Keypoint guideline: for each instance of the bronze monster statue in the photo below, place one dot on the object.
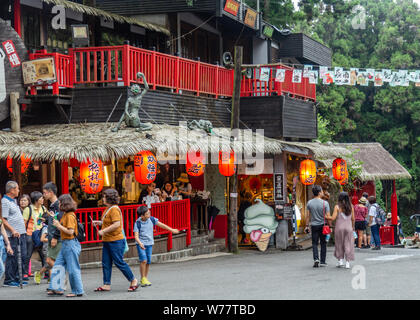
(132, 107)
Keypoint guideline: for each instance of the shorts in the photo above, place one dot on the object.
(360, 225)
(145, 255)
(53, 252)
(367, 229)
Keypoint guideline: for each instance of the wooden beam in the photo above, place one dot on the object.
(233, 188)
(15, 111)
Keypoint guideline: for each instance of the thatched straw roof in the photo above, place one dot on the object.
(377, 162)
(96, 141)
(108, 15)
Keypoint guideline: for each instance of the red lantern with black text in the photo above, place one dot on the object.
(92, 176)
(195, 166)
(307, 172)
(345, 180)
(227, 165)
(145, 167)
(339, 169)
(24, 163)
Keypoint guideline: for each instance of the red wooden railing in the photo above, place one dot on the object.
(120, 65)
(175, 214)
(253, 86)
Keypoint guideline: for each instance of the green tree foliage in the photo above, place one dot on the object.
(390, 40)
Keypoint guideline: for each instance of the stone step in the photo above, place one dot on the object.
(196, 232)
(197, 240)
(208, 249)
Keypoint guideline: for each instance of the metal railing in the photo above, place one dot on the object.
(175, 214)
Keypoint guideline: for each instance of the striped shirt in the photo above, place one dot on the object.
(11, 212)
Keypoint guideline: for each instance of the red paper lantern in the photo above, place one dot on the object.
(92, 176)
(195, 166)
(339, 169)
(24, 163)
(307, 172)
(345, 180)
(145, 167)
(227, 165)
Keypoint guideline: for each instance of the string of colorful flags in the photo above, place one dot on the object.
(342, 76)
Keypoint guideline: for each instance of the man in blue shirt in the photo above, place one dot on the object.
(143, 233)
(16, 231)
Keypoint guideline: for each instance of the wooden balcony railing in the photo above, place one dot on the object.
(119, 65)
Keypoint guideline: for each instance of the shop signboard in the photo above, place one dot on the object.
(279, 187)
(268, 31)
(39, 71)
(250, 18)
(232, 7)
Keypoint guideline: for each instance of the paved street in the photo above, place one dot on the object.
(390, 274)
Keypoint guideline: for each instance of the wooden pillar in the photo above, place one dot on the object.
(233, 190)
(14, 112)
(17, 17)
(17, 174)
(64, 177)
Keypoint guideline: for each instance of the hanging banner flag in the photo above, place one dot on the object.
(345, 78)
(265, 74)
(387, 75)
(404, 78)
(353, 76)
(362, 78)
(306, 69)
(412, 76)
(328, 77)
(322, 72)
(313, 77)
(297, 76)
(338, 76)
(395, 79)
(280, 75)
(379, 79)
(370, 74)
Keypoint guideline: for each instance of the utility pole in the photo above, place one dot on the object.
(233, 185)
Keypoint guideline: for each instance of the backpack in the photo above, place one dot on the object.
(36, 235)
(81, 235)
(138, 223)
(380, 216)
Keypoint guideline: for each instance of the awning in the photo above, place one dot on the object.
(107, 15)
(97, 141)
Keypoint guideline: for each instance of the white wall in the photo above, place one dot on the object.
(260, 51)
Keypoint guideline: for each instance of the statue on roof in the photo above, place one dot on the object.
(132, 106)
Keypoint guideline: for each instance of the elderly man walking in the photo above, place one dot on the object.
(16, 231)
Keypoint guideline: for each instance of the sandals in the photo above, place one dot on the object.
(55, 293)
(73, 295)
(100, 289)
(134, 288)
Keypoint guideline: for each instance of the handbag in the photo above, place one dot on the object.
(126, 248)
(326, 228)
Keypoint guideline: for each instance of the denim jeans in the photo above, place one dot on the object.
(318, 236)
(2, 249)
(113, 252)
(12, 264)
(67, 260)
(375, 235)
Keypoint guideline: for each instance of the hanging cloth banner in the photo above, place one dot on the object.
(387, 75)
(328, 77)
(306, 69)
(313, 77)
(353, 76)
(265, 74)
(379, 79)
(297, 76)
(322, 72)
(280, 75)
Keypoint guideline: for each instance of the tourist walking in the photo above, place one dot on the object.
(33, 216)
(344, 230)
(316, 211)
(49, 191)
(5, 247)
(16, 232)
(143, 233)
(374, 227)
(68, 257)
(360, 214)
(113, 242)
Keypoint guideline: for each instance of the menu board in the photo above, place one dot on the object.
(279, 186)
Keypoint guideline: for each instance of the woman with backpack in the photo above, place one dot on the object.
(373, 223)
(32, 215)
(68, 257)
